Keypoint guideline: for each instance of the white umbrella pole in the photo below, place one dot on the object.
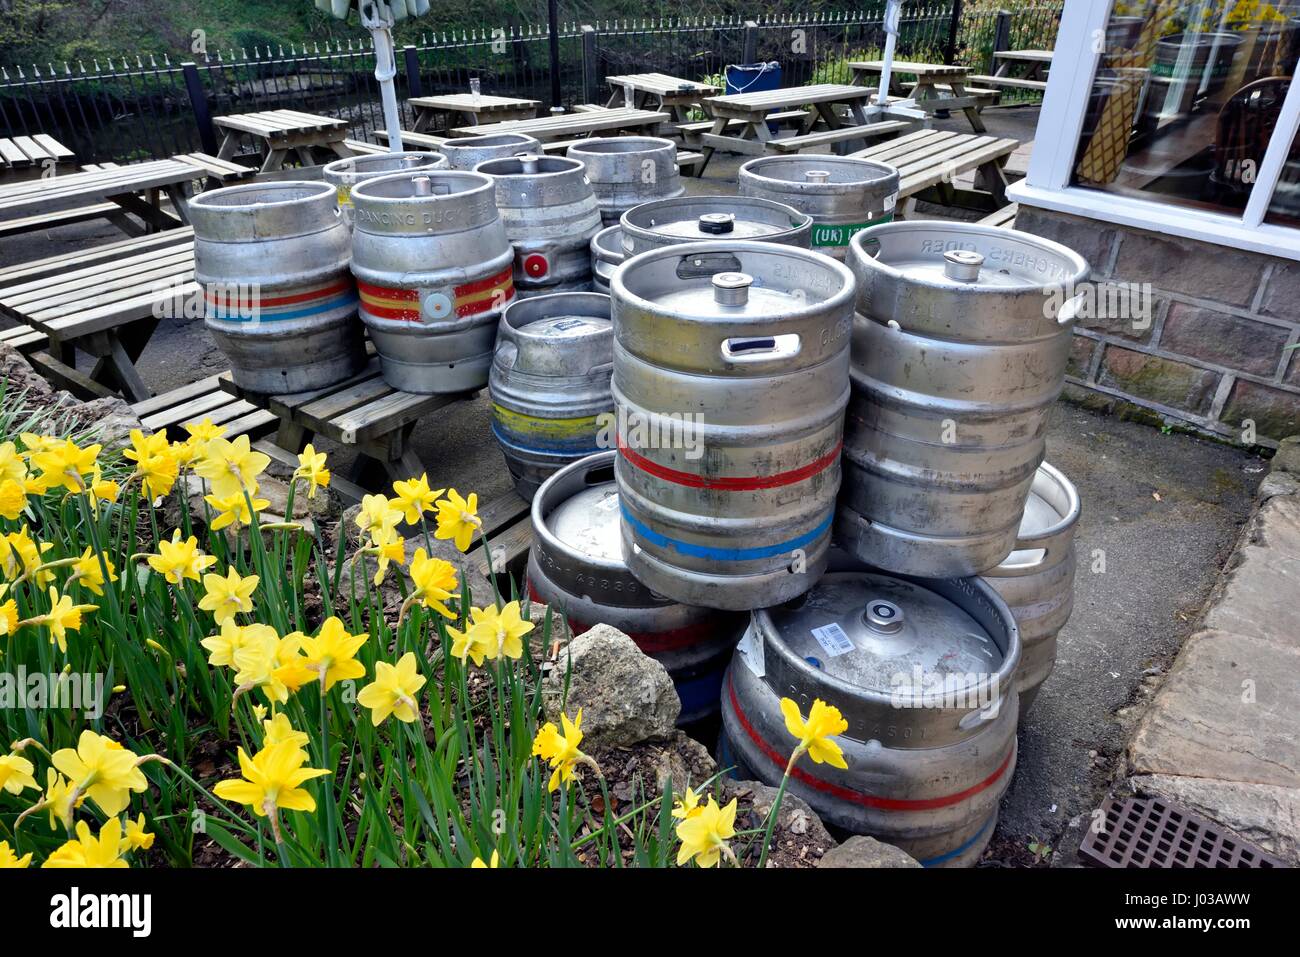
(385, 70)
(892, 13)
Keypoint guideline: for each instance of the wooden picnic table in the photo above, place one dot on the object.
(822, 125)
(1018, 70)
(571, 125)
(455, 108)
(110, 191)
(659, 91)
(929, 162)
(105, 301)
(281, 133)
(25, 157)
(939, 87)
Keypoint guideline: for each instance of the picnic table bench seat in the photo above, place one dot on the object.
(204, 399)
(692, 133)
(932, 159)
(1002, 218)
(1014, 82)
(794, 144)
(410, 140)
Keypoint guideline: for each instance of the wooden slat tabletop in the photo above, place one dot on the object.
(766, 100)
(928, 156)
(41, 194)
(270, 124)
(570, 124)
(914, 67)
(469, 103)
(661, 84)
(24, 151)
(1030, 56)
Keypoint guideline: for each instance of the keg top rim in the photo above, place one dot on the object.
(513, 166)
(1070, 267)
(621, 144)
(372, 190)
(1059, 494)
(559, 488)
(705, 285)
(359, 164)
(295, 191)
(862, 171)
(610, 241)
(791, 631)
(488, 140)
(522, 313)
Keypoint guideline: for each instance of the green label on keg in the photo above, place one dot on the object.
(839, 234)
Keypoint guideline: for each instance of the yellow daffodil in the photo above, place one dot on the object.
(62, 618)
(704, 835)
(458, 518)
(814, 735)
(393, 550)
(435, 581)
(278, 729)
(66, 464)
(561, 750)
(16, 774)
(232, 467)
(275, 666)
(332, 653)
(311, 467)
(688, 806)
(234, 510)
(136, 838)
(21, 557)
(60, 800)
(12, 466)
(476, 640)
(103, 770)
(227, 597)
(11, 861)
(272, 779)
(104, 490)
(13, 498)
(478, 862)
(377, 519)
(393, 691)
(155, 462)
(204, 431)
(505, 631)
(414, 497)
(222, 648)
(86, 851)
(88, 571)
(8, 612)
(177, 560)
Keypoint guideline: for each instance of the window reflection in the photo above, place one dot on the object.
(1185, 99)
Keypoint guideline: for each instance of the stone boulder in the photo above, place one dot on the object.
(626, 696)
(861, 851)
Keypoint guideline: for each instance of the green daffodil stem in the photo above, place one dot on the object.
(776, 807)
(327, 798)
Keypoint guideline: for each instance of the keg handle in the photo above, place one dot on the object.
(756, 349)
(983, 716)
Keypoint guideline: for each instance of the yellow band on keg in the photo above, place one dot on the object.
(521, 424)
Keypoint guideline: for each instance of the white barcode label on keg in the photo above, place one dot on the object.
(891, 201)
(751, 651)
(832, 639)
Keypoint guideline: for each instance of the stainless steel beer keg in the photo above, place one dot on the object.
(1037, 579)
(550, 215)
(468, 151)
(343, 174)
(606, 256)
(959, 350)
(730, 380)
(576, 567)
(626, 171)
(280, 302)
(433, 268)
(923, 671)
(692, 219)
(550, 383)
(843, 195)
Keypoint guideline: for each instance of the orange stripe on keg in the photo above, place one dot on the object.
(779, 761)
(742, 483)
(469, 298)
(231, 299)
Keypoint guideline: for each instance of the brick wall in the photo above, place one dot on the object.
(1214, 353)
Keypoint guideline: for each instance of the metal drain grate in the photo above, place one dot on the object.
(1149, 832)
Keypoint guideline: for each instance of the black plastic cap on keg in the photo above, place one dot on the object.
(717, 224)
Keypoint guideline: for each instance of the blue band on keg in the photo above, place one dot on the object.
(556, 448)
(958, 851)
(727, 554)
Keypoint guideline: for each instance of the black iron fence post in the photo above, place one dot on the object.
(199, 104)
(1001, 38)
(411, 57)
(553, 27)
(751, 42)
(954, 25)
(590, 79)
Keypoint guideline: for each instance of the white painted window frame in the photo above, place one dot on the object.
(1060, 123)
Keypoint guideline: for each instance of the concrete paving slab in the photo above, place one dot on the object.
(1264, 573)
(1264, 814)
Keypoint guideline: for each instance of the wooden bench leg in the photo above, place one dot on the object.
(291, 436)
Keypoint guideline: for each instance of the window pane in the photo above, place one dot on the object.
(1185, 99)
(1284, 209)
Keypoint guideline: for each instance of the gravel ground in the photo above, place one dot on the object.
(1164, 510)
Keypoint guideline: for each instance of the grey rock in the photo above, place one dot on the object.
(1264, 814)
(796, 820)
(19, 377)
(1279, 483)
(1287, 457)
(861, 851)
(625, 696)
(109, 421)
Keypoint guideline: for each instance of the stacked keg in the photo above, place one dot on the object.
(280, 303)
(434, 271)
(343, 174)
(468, 151)
(626, 171)
(550, 215)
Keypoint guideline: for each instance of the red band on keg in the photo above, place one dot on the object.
(844, 794)
(229, 298)
(470, 298)
(745, 483)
